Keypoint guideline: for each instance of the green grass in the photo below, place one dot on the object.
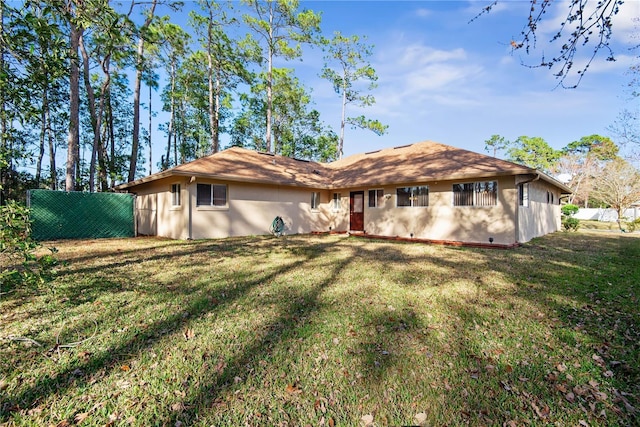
(599, 225)
(326, 330)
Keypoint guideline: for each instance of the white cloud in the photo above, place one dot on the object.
(423, 13)
(625, 22)
(421, 74)
(419, 55)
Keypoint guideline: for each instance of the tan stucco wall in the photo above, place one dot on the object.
(146, 218)
(251, 209)
(539, 217)
(154, 213)
(441, 220)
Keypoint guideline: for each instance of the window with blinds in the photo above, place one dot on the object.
(412, 196)
(211, 195)
(483, 193)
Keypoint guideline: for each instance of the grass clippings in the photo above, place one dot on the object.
(327, 330)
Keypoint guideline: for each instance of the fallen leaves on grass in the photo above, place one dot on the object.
(80, 417)
(84, 355)
(367, 420)
(293, 389)
(189, 334)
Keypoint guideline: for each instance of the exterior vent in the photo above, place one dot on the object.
(402, 146)
(371, 152)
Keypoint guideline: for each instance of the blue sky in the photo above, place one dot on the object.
(457, 82)
(445, 79)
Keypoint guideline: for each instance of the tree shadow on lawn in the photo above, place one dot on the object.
(522, 372)
(131, 347)
(296, 308)
(116, 255)
(585, 290)
(571, 286)
(480, 369)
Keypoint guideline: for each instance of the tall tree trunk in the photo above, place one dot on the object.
(99, 141)
(172, 114)
(112, 139)
(43, 131)
(91, 100)
(269, 80)
(136, 95)
(52, 151)
(150, 124)
(73, 143)
(216, 114)
(213, 89)
(3, 111)
(343, 118)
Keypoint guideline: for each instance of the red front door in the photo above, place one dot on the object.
(356, 211)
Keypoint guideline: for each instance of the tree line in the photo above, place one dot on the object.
(76, 74)
(592, 167)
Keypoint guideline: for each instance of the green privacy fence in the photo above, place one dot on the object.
(75, 215)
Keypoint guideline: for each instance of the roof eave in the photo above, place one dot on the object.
(231, 178)
(425, 179)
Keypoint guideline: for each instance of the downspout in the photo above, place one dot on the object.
(531, 180)
(517, 236)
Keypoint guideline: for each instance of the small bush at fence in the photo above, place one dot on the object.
(633, 225)
(568, 221)
(22, 267)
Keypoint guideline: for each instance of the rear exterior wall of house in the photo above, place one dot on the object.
(446, 216)
(173, 208)
(180, 208)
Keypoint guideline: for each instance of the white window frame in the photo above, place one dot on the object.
(523, 194)
(315, 200)
(176, 195)
(212, 204)
(378, 198)
(413, 198)
(476, 188)
(337, 202)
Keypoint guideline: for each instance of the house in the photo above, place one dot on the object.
(426, 191)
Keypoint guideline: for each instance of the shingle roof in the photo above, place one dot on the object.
(420, 162)
(239, 164)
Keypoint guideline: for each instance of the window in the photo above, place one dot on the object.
(549, 198)
(211, 195)
(337, 197)
(475, 194)
(462, 194)
(175, 194)
(376, 198)
(412, 196)
(523, 194)
(315, 200)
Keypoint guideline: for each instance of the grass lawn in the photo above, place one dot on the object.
(599, 225)
(327, 330)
